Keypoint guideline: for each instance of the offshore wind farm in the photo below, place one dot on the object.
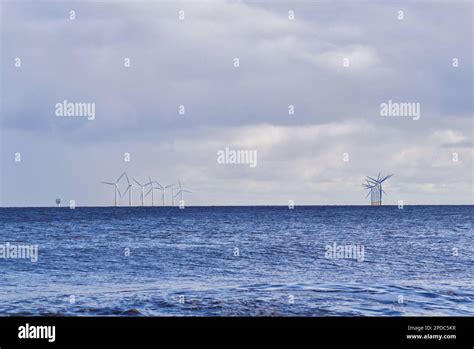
(372, 185)
(147, 189)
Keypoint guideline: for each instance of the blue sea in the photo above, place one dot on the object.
(239, 261)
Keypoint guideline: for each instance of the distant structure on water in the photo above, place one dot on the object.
(375, 189)
(153, 185)
(58, 202)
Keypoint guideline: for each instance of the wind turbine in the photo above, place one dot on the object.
(172, 196)
(163, 189)
(181, 191)
(129, 189)
(116, 189)
(375, 186)
(151, 190)
(142, 186)
(371, 187)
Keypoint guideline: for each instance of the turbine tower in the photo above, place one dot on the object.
(372, 191)
(151, 190)
(163, 189)
(129, 190)
(375, 189)
(116, 188)
(181, 191)
(142, 186)
(172, 196)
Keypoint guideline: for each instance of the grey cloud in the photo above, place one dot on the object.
(282, 63)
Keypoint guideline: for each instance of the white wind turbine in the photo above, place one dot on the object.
(163, 189)
(129, 189)
(172, 196)
(142, 186)
(181, 191)
(116, 188)
(151, 190)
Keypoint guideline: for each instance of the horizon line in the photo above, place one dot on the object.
(310, 205)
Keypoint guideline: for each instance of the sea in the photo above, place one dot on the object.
(237, 261)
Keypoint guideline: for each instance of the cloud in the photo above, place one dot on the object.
(282, 63)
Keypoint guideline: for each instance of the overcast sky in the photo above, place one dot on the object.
(283, 62)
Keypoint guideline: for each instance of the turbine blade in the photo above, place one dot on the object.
(108, 183)
(385, 178)
(372, 180)
(123, 173)
(149, 191)
(126, 190)
(137, 182)
(369, 184)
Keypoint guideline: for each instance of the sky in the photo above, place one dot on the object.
(334, 62)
